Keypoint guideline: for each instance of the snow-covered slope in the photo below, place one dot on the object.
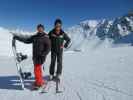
(6, 42)
(113, 30)
(105, 74)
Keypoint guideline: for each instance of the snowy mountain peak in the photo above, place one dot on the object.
(113, 30)
(86, 34)
(89, 24)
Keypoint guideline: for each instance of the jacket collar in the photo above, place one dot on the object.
(41, 34)
(61, 31)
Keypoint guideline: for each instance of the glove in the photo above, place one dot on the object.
(66, 45)
(14, 37)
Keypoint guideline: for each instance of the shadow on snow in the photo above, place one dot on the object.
(13, 82)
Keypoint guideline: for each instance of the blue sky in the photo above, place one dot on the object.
(25, 14)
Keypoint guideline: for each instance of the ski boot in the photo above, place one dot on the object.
(38, 87)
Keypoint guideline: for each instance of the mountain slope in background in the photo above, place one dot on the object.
(113, 30)
(88, 34)
(6, 42)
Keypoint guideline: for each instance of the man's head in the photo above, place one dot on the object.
(58, 24)
(40, 28)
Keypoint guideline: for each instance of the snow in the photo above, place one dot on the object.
(101, 74)
(93, 69)
(6, 40)
(90, 23)
(115, 29)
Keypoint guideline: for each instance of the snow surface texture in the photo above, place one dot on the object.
(102, 71)
(105, 74)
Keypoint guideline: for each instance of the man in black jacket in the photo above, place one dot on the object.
(57, 37)
(41, 48)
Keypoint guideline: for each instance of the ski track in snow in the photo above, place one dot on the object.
(76, 85)
(98, 87)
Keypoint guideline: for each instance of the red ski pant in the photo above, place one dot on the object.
(38, 75)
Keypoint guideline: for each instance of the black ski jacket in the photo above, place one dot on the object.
(41, 46)
(57, 41)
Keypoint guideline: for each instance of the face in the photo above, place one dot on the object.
(58, 27)
(40, 29)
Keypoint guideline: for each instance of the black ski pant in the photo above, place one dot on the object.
(56, 56)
